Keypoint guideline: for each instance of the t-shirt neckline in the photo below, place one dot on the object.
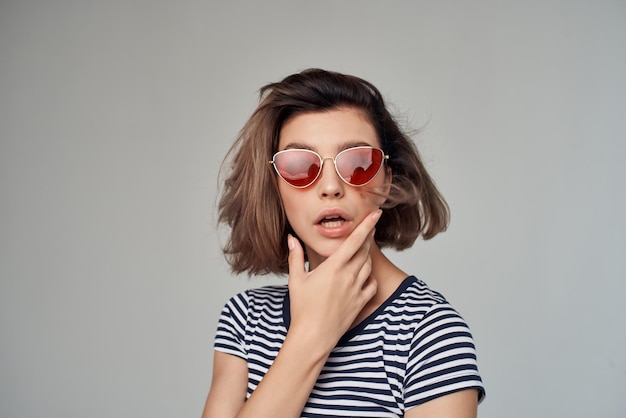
(356, 330)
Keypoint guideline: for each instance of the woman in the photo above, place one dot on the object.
(321, 179)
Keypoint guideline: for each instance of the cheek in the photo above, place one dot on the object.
(376, 194)
(289, 200)
(284, 194)
(370, 199)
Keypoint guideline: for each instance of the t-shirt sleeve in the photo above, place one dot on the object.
(442, 359)
(230, 335)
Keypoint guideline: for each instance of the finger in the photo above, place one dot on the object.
(356, 239)
(370, 287)
(361, 255)
(296, 257)
(364, 272)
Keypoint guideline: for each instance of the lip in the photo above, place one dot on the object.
(334, 232)
(331, 212)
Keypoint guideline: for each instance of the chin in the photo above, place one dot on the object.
(325, 251)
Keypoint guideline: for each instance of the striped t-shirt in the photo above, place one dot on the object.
(415, 347)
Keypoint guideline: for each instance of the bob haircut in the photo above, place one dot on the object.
(250, 203)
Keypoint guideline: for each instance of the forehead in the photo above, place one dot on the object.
(331, 130)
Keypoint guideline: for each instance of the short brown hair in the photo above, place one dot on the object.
(250, 203)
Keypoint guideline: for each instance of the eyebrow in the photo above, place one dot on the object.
(341, 147)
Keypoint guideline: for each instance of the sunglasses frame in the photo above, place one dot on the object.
(322, 160)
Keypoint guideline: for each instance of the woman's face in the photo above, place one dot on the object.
(326, 212)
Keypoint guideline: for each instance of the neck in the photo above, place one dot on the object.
(387, 275)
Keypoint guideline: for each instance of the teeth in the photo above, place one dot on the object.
(332, 222)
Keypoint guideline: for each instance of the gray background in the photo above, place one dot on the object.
(115, 115)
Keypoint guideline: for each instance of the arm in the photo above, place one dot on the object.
(325, 302)
(463, 404)
(283, 391)
(285, 388)
(228, 386)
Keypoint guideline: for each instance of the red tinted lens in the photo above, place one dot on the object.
(297, 167)
(360, 165)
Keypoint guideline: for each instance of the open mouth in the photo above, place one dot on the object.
(332, 221)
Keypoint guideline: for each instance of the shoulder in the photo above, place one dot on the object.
(431, 316)
(415, 298)
(434, 307)
(418, 291)
(269, 294)
(266, 297)
(244, 312)
(442, 357)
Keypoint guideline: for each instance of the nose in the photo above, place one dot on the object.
(330, 184)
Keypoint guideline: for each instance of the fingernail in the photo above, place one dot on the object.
(377, 214)
(290, 243)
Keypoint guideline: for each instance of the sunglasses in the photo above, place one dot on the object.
(356, 166)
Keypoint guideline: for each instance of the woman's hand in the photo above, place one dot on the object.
(326, 301)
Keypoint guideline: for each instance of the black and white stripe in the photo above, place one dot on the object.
(415, 347)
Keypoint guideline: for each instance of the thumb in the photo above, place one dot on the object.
(296, 256)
